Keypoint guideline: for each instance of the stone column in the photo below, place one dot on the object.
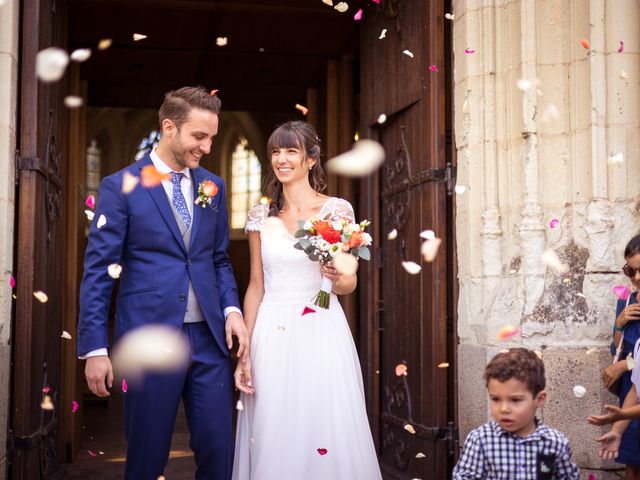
(531, 152)
(9, 29)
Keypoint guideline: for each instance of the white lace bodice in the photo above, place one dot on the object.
(289, 276)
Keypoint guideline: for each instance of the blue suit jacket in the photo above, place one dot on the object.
(142, 235)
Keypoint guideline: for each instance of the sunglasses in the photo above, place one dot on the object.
(629, 271)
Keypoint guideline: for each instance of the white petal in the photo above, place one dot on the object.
(73, 101)
(393, 234)
(624, 75)
(66, 335)
(364, 158)
(382, 118)
(90, 214)
(631, 362)
(409, 428)
(579, 391)
(550, 259)
(129, 182)
(104, 43)
(328, 2)
(383, 34)
(239, 406)
(465, 106)
(524, 84)
(420, 455)
(460, 189)
(408, 53)
(429, 249)
(346, 263)
(412, 267)
(342, 7)
(449, 16)
(41, 296)
(428, 234)
(222, 41)
(617, 159)
(51, 64)
(81, 54)
(102, 221)
(114, 270)
(138, 36)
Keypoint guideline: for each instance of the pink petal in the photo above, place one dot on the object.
(554, 223)
(507, 332)
(470, 50)
(376, 1)
(46, 390)
(592, 476)
(308, 310)
(621, 47)
(621, 291)
(124, 386)
(433, 68)
(12, 281)
(322, 451)
(90, 202)
(74, 406)
(92, 454)
(358, 16)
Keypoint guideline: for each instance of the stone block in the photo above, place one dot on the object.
(473, 406)
(8, 86)
(9, 28)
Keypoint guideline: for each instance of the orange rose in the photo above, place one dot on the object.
(327, 232)
(355, 240)
(209, 188)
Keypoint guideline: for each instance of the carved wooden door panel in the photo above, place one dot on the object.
(36, 331)
(411, 319)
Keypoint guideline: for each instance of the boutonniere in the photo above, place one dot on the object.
(206, 191)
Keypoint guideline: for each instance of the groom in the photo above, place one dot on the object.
(175, 272)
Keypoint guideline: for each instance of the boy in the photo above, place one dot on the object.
(516, 445)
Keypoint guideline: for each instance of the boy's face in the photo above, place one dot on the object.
(513, 405)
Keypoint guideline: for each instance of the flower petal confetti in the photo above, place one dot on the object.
(428, 234)
(449, 16)
(393, 234)
(66, 335)
(102, 221)
(420, 455)
(383, 34)
(382, 118)
(114, 270)
(328, 2)
(129, 182)
(617, 159)
(304, 110)
(12, 281)
(624, 75)
(150, 348)
(554, 223)
(307, 310)
(51, 64)
(73, 101)
(524, 84)
(124, 386)
(90, 202)
(105, 43)
(621, 291)
(401, 369)
(433, 68)
(443, 365)
(90, 214)
(409, 428)
(358, 16)
(364, 158)
(74, 406)
(408, 53)
(580, 294)
(429, 249)
(222, 41)
(150, 177)
(46, 389)
(460, 189)
(550, 259)
(46, 403)
(621, 47)
(41, 296)
(550, 114)
(469, 51)
(507, 332)
(585, 43)
(579, 391)
(322, 451)
(81, 54)
(92, 453)
(465, 106)
(631, 362)
(138, 36)
(346, 263)
(239, 406)
(411, 267)
(591, 477)
(342, 7)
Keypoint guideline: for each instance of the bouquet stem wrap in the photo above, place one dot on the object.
(323, 298)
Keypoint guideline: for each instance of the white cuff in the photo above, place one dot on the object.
(229, 310)
(94, 353)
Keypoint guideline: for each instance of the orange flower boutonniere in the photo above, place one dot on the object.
(206, 191)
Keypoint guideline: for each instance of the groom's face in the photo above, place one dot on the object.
(193, 139)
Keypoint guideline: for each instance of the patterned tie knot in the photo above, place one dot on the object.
(176, 177)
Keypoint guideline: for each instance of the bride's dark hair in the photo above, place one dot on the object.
(300, 135)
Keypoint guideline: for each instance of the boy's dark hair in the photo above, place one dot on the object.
(178, 103)
(518, 363)
(633, 247)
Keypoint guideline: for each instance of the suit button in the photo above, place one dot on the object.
(189, 262)
(182, 297)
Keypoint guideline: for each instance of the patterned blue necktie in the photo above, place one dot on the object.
(178, 199)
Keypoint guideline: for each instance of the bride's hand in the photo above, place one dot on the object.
(242, 377)
(330, 272)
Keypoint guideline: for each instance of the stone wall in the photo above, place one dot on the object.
(9, 16)
(528, 156)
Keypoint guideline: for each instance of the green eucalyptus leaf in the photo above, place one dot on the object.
(364, 253)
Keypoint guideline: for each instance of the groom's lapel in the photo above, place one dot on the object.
(162, 202)
(197, 209)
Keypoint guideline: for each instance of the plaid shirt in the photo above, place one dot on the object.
(492, 453)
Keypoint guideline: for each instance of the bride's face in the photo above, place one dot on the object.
(290, 164)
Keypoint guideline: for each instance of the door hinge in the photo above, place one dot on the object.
(452, 439)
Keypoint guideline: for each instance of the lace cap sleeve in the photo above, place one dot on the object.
(342, 209)
(255, 218)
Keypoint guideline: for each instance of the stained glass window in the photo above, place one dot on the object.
(246, 180)
(148, 143)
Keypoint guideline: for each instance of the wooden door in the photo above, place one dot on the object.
(408, 318)
(33, 439)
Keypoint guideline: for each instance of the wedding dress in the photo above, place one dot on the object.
(307, 418)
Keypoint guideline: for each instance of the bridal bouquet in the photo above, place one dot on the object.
(323, 239)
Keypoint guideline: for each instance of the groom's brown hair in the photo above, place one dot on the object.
(178, 103)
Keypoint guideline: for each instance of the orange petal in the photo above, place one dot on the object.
(401, 369)
(585, 43)
(507, 332)
(150, 177)
(302, 108)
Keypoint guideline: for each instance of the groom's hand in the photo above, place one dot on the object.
(97, 370)
(235, 326)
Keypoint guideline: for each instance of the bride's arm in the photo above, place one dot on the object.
(342, 284)
(255, 290)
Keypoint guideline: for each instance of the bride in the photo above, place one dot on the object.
(303, 414)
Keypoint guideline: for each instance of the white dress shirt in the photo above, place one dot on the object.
(186, 185)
